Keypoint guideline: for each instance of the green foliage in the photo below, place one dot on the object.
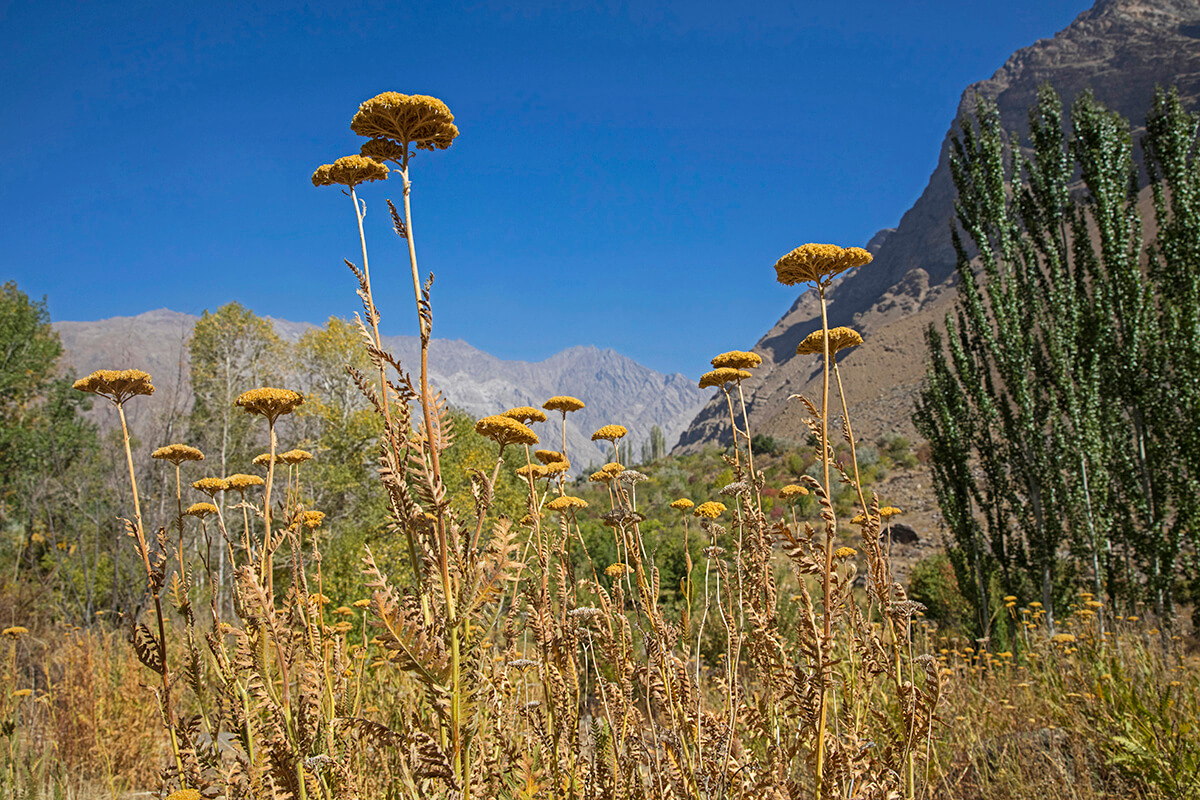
(933, 583)
(1048, 405)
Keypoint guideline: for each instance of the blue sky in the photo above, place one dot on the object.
(626, 174)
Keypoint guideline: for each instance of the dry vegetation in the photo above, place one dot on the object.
(486, 656)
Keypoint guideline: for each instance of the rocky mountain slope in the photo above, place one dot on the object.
(1120, 50)
(615, 388)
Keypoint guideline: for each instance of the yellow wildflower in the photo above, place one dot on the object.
(737, 359)
(270, 402)
(201, 510)
(415, 119)
(504, 430)
(682, 504)
(525, 414)
(611, 433)
(818, 263)
(178, 453)
(563, 403)
(320, 599)
(536, 471)
(262, 459)
(613, 468)
(845, 552)
(617, 570)
(1063, 638)
(295, 456)
(210, 486)
(15, 632)
(566, 503)
(555, 467)
(185, 794)
(22, 693)
(118, 385)
(888, 512)
(709, 510)
(600, 476)
(242, 482)
(344, 611)
(722, 376)
(349, 171)
(548, 456)
(312, 519)
(363, 603)
(839, 339)
(792, 491)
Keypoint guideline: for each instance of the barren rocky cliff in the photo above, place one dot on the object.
(1120, 50)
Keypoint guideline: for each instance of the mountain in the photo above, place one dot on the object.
(616, 389)
(1121, 50)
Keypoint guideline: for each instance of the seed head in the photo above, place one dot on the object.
(818, 263)
(504, 430)
(200, 510)
(722, 376)
(610, 432)
(210, 486)
(349, 171)
(682, 504)
(737, 359)
(415, 119)
(118, 385)
(563, 403)
(178, 453)
(839, 339)
(525, 414)
(566, 503)
(709, 510)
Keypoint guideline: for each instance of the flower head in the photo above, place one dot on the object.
(682, 504)
(415, 119)
(185, 794)
(563, 403)
(312, 519)
(118, 385)
(610, 432)
(845, 552)
(383, 150)
(210, 486)
(271, 403)
(178, 453)
(200, 510)
(242, 482)
(792, 491)
(525, 414)
(617, 570)
(722, 376)
(566, 503)
(613, 468)
(504, 430)
(709, 510)
(15, 632)
(535, 471)
(737, 359)
(349, 171)
(818, 263)
(887, 512)
(839, 339)
(600, 476)
(556, 467)
(295, 456)
(548, 456)
(263, 459)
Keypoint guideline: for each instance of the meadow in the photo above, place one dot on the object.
(725, 625)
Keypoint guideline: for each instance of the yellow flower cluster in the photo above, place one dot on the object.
(504, 430)
(415, 119)
(737, 359)
(312, 519)
(709, 510)
(839, 339)
(525, 414)
(210, 486)
(563, 403)
(349, 171)
(242, 482)
(845, 552)
(722, 376)
(15, 632)
(201, 510)
(536, 471)
(617, 570)
(682, 504)
(270, 402)
(184, 794)
(611, 433)
(295, 456)
(566, 503)
(613, 468)
(818, 263)
(600, 477)
(178, 453)
(262, 459)
(887, 512)
(792, 491)
(118, 385)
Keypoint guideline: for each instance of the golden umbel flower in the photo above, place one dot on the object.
(383, 150)
(555, 467)
(19, 693)
(242, 482)
(845, 552)
(312, 519)
(887, 512)
(722, 376)
(15, 632)
(563, 403)
(525, 414)
(529, 520)
(682, 504)
(210, 486)
(818, 263)
(263, 460)
(363, 603)
(548, 456)
(859, 519)
(611, 433)
(709, 510)
(184, 794)
(504, 430)
(613, 468)
(350, 171)
(566, 503)
(737, 359)
(792, 491)
(600, 477)
(270, 402)
(839, 339)
(178, 453)
(118, 385)
(200, 510)
(536, 471)
(295, 456)
(617, 570)
(414, 119)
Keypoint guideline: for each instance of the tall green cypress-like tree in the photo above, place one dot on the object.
(1055, 447)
